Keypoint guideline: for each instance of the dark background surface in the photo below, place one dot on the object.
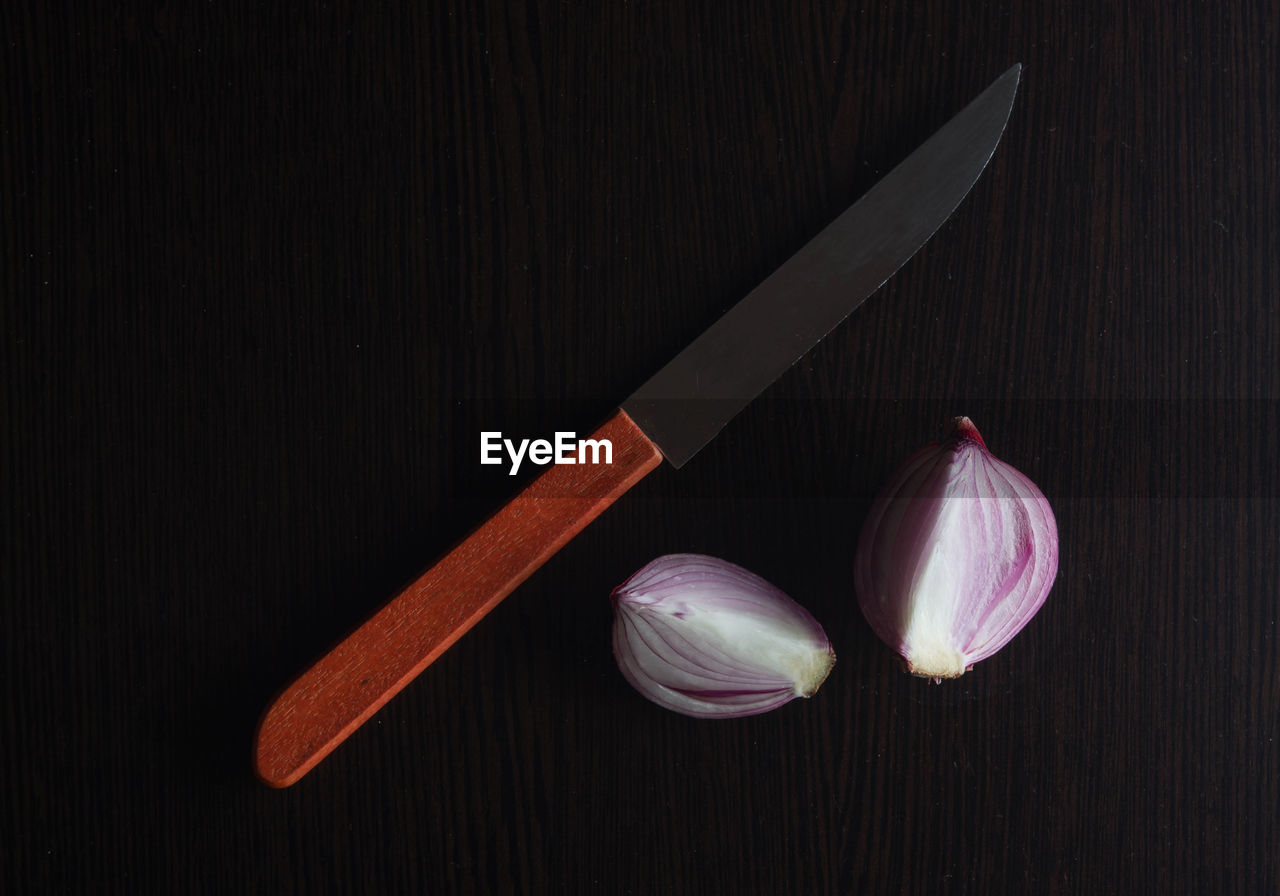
(269, 271)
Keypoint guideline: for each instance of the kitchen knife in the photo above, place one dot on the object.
(673, 415)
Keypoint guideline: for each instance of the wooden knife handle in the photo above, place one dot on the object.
(334, 697)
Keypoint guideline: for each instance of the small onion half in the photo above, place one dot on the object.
(709, 639)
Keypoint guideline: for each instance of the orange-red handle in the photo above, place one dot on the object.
(334, 697)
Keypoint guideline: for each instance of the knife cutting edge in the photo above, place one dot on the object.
(672, 416)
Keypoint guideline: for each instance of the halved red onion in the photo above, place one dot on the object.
(958, 553)
(706, 638)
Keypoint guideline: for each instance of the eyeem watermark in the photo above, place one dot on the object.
(566, 448)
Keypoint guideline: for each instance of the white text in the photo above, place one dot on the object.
(565, 448)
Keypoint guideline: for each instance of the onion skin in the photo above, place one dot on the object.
(958, 553)
(706, 638)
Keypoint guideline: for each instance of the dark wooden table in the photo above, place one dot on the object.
(269, 272)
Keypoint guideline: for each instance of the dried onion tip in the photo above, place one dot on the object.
(958, 553)
(709, 639)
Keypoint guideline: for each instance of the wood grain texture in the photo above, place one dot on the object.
(344, 688)
(269, 271)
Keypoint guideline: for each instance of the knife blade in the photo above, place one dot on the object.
(672, 416)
